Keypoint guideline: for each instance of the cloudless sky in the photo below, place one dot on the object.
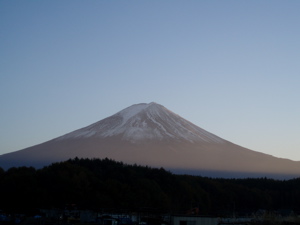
(230, 67)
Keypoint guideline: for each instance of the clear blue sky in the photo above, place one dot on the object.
(230, 67)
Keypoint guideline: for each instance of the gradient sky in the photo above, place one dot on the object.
(230, 67)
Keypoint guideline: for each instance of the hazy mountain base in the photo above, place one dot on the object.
(232, 174)
(210, 159)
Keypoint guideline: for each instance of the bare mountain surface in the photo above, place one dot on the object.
(150, 134)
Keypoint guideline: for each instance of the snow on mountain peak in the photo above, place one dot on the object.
(144, 122)
(132, 111)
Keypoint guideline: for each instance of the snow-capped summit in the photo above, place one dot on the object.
(143, 122)
(150, 134)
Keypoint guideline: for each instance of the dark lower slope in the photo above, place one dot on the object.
(201, 158)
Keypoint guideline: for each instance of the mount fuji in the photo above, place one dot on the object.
(152, 135)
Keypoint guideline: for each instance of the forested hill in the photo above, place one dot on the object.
(107, 184)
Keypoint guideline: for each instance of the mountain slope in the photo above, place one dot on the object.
(150, 134)
(145, 122)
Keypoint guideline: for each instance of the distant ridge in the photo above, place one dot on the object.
(150, 134)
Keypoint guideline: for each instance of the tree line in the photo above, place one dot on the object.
(108, 184)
